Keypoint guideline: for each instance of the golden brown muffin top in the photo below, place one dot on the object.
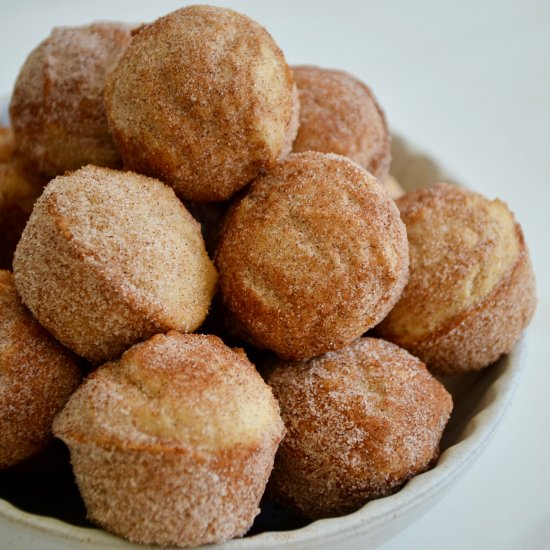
(202, 99)
(350, 387)
(462, 246)
(173, 392)
(369, 415)
(134, 232)
(313, 256)
(339, 114)
(57, 108)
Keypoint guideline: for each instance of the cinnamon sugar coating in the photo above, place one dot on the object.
(312, 257)
(471, 289)
(109, 258)
(173, 444)
(37, 376)
(360, 422)
(57, 108)
(203, 100)
(339, 114)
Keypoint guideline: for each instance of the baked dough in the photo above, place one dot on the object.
(312, 257)
(203, 100)
(361, 421)
(339, 114)
(471, 289)
(109, 258)
(174, 443)
(57, 108)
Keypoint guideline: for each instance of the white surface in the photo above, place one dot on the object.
(469, 82)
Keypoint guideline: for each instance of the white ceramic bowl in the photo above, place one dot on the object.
(480, 402)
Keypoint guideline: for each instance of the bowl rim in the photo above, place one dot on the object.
(425, 487)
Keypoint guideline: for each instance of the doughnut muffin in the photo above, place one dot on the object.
(339, 114)
(57, 108)
(312, 257)
(173, 444)
(471, 289)
(360, 422)
(37, 377)
(109, 258)
(202, 99)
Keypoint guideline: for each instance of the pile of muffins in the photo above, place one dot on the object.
(183, 190)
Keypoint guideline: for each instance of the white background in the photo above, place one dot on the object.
(469, 82)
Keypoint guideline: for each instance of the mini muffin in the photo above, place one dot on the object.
(173, 444)
(361, 421)
(312, 257)
(57, 108)
(203, 100)
(37, 376)
(7, 144)
(19, 189)
(471, 289)
(339, 114)
(110, 258)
